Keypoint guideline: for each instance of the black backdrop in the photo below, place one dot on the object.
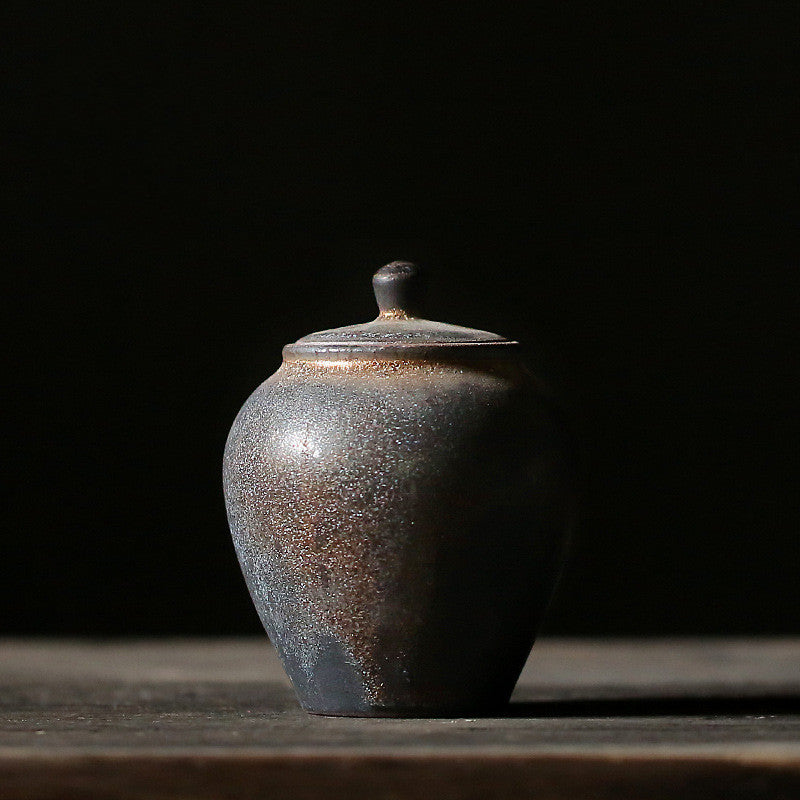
(192, 186)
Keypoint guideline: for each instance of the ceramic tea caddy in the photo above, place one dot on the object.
(399, 494)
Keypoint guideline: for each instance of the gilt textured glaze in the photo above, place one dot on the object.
(399, 502)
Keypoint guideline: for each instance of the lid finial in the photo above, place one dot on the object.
(398, 289)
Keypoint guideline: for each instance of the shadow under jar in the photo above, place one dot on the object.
(399, 494)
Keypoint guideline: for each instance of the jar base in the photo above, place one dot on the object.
(467, 711)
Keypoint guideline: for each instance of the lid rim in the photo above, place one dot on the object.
(395, 351)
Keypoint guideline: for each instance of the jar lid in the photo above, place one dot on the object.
(397, 332)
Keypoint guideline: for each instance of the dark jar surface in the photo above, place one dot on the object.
(399, 521)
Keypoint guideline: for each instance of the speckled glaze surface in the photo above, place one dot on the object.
(399, 504)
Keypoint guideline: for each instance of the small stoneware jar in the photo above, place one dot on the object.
(399, 494)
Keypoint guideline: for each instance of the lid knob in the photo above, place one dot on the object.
(398, 289)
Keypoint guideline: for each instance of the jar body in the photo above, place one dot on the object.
(400, 526)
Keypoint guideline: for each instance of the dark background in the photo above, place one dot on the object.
(190, 187)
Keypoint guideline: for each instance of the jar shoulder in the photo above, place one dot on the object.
(397, 408)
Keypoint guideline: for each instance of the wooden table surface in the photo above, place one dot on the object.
(216, 719)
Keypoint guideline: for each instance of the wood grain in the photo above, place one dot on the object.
(216, 718)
